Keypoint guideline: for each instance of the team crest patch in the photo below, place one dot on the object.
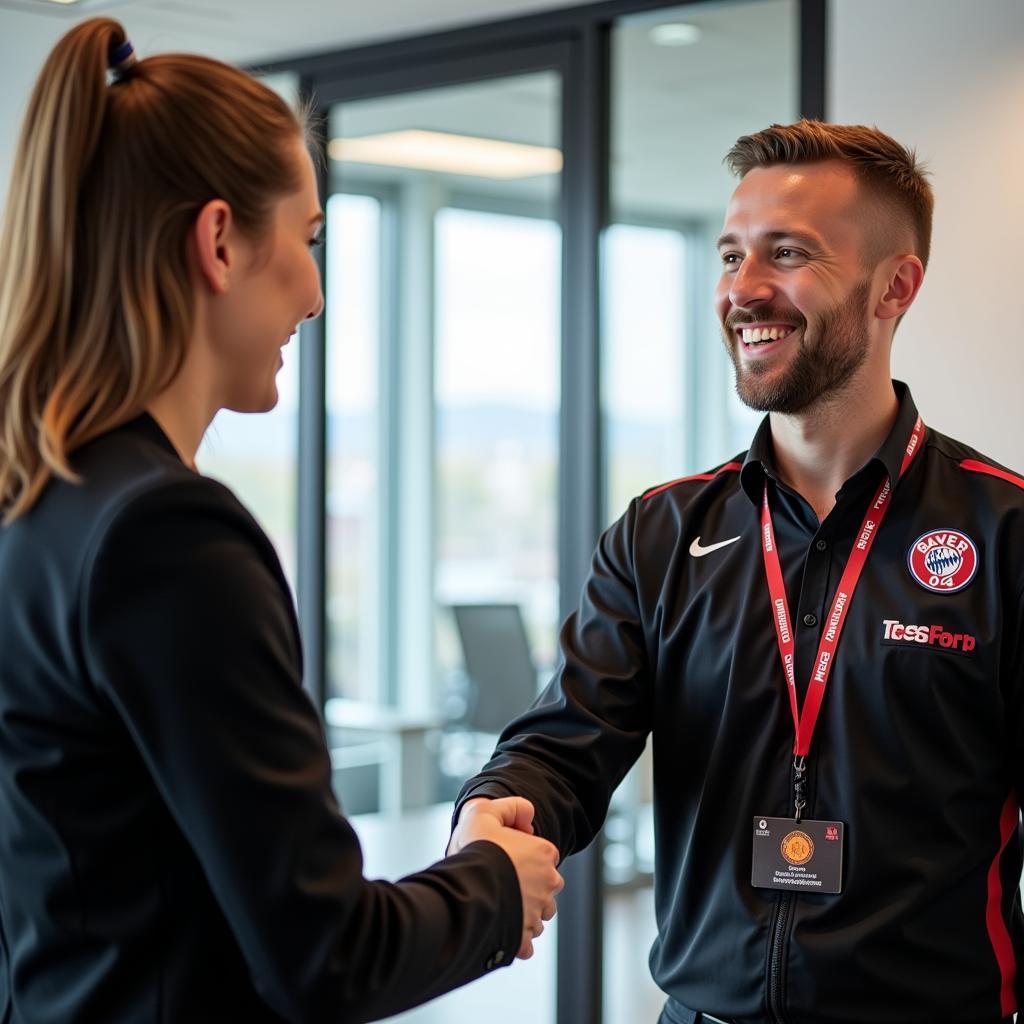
(943, 561)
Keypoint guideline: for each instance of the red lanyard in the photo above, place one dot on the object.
(804, 721)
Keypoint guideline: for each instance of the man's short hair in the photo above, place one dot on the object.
(887, 171)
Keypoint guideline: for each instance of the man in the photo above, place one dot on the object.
(823, 637)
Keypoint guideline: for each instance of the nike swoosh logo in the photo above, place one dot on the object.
(699, 551)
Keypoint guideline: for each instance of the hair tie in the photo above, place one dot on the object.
(120, 60)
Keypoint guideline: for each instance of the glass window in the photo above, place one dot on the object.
(256, 456)
(354, 450)
(675, 114)
(669, 407)
(645, 298)
(496, 406)
(444, 339)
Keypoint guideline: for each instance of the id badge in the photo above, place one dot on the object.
(804, 857)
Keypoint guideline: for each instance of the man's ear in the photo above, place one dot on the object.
(905, 275)
(212, 249)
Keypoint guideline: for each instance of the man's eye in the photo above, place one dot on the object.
(730, 258)
(789, 253)
(315, 241)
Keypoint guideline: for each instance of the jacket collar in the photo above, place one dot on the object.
(147, 427)
(759, 463)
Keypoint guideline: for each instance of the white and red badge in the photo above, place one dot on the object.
(943, 561)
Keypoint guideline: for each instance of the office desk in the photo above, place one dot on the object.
(407, 763)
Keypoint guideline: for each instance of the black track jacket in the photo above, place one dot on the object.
(170, 849)
(917, 749)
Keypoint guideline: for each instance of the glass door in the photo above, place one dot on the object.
(443, 349)
(668, 405)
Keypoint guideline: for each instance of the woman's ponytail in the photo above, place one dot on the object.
(58, 142)
(115, 159)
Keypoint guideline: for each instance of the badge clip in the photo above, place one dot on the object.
(799, 785)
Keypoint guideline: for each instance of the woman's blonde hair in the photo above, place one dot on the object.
(96, 300)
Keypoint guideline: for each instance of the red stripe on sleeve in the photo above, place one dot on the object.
(729, 466)
(974, 466)
(998, 933)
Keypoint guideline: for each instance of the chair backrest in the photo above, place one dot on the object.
(498, 663)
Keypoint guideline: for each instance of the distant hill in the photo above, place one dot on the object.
(463, 430)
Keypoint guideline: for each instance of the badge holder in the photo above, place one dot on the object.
(798, 858)
(791, 854)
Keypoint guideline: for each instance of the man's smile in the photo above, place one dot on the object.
(757, 340)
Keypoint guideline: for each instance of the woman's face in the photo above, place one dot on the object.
(274, 286)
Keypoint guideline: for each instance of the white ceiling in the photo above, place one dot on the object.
(675, 110)
(248, 31)
(240, 31)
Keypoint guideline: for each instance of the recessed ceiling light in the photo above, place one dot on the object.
(675, 33)
(449, 154)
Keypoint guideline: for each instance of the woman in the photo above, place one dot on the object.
(170, 849)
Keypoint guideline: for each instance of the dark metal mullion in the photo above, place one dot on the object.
(813, 44)
(495, 36)
(389, 391)
(311, 584)
(466, 67)
(581, 470)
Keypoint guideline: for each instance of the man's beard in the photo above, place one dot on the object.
(817, 369)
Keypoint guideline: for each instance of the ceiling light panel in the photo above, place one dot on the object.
(448, 154)
(675, 33)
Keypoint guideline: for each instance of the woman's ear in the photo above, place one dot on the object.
(212, 248)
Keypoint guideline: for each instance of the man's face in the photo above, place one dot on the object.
(793, 297)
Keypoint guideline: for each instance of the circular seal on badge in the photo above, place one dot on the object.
(797, 848)
(943, 561)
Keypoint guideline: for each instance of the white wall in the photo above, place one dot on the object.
(947, 78)
(25, 40)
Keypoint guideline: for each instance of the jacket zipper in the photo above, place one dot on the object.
(784, 912)
(780, 928)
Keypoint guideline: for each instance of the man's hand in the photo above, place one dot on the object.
(508, 822)
(511, 811)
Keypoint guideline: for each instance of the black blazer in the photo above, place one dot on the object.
(170, 850)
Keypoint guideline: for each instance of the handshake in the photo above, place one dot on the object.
(508, 822)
